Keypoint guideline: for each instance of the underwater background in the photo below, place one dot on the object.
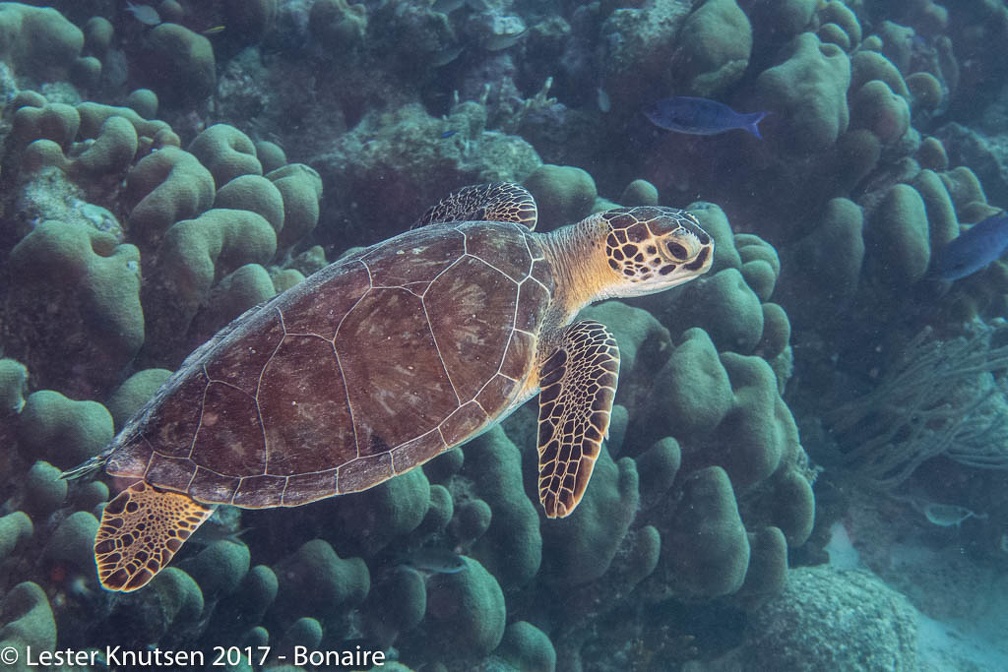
(808, 460)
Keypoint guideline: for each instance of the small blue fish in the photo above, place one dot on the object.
(700, 116)
(448, 134)
(974, 250)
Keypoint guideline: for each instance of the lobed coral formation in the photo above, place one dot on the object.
(145, 201)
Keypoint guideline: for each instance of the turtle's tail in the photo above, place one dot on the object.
(87, 468)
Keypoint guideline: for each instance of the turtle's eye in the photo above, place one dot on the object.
(677, 250)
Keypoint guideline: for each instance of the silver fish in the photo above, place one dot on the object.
(436, 561)
(145, 14)
(447, 6)
(948, 515)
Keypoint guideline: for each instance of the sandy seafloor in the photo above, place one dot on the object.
(808, 456)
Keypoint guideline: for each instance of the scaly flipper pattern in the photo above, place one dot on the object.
(141, 531)
(577, 387)
(497, 202)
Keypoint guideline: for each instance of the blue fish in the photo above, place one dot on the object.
(700, 116)
(974, 250)
(448, 134)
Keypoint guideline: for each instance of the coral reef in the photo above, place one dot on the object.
(168, 167)
(828, 618)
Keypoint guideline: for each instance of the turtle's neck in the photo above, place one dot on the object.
(577, 254)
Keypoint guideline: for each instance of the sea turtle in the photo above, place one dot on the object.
(387, 358)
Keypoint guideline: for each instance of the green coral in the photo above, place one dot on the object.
(697, 393)
(134, 392)
(511, 548)
(726, 308)
(15, 528)
(580, 548)
(220, 567)
(62, 431)
(89, 285)
(167, 186)
(301, 190)
(172, 603)
(374, 518)
(467, 611)
(45, 491)
(564, 194)
(315, 581)
(406, 589)
(178, 64)
(898, 239)
(13, 386)
(809, 90)
(715, 47)
(194, 255)
(226, 152)
(38, 41)
(706, 548)
(253, 193)
(305, 631)
(73, 541)
(26, 619)
(527, 648)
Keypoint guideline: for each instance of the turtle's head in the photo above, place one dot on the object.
(650, 249)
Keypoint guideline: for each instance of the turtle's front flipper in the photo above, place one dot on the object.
(140, 532)
(577, 383)
(497, 202)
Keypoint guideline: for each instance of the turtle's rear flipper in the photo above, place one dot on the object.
(577, 386)
(141, 531)
(90, 466)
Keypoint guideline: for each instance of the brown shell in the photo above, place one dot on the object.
(370, 367)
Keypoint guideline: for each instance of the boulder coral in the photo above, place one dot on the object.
(316, 582)
(45, 491)
(338, 25)
(747, 505)
(808, 89)
(564, 194)
(526, 647)
(13, 386)
(397, 163)
(640, 47)
(92, 177)
(511, 547)
(26, 620)
(62, 431)
(194, 255)
(38, 42)
(178, 64)
(92, 283)
(15, 529)
(147, 198)
(878, 627)
(468, 611)
(715, 48)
